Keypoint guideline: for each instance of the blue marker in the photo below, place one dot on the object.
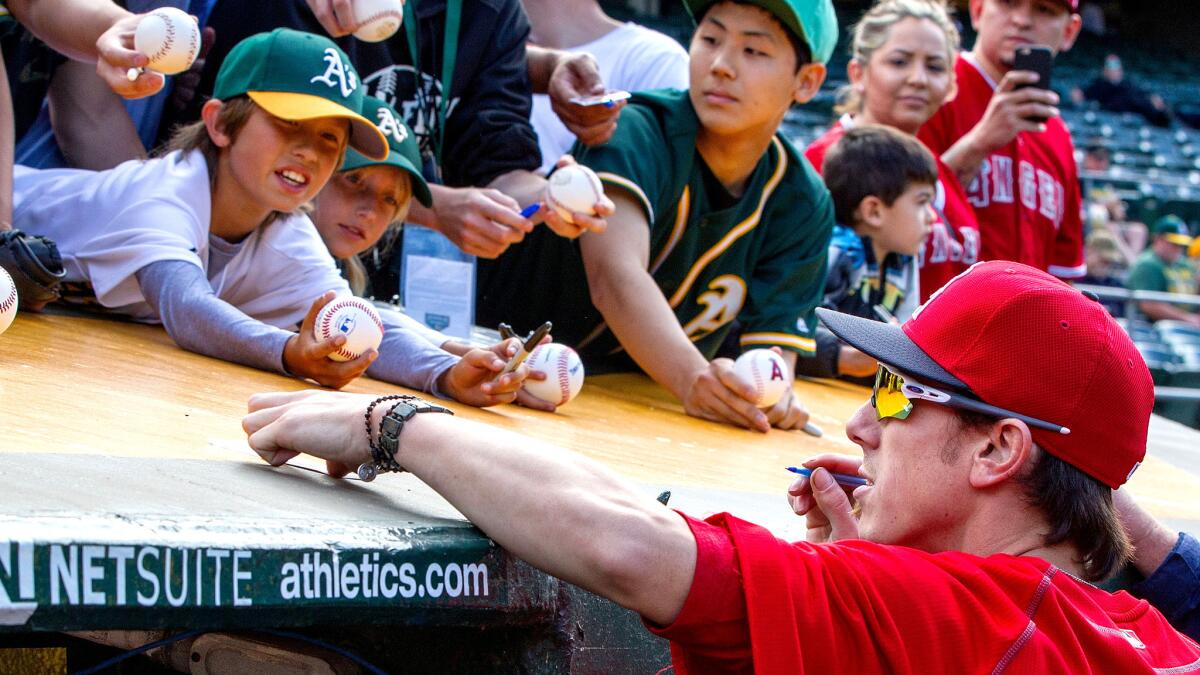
(531, 209)
(841, 478)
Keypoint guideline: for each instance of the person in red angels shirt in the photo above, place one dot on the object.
(901, 72)
(986, 514)
(1007, 143)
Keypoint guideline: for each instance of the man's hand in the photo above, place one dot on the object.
(788, 412)
(117, 55)
(578, 76)
(1152, 541)
(824, 504)
(580, 222)
(308, 358)
(1012, 111)
(335, 16)
(718, 394)
(325, 424)
(480, 221)
(473, 379)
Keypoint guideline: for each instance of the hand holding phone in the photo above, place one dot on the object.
(1035, 59)
(608, 99)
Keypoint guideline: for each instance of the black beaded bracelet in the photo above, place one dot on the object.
(379, 460)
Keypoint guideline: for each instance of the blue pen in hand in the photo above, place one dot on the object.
(842, 479)
(528, 211)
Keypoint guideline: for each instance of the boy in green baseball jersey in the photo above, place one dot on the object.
(717, 218)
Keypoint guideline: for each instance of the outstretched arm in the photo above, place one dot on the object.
(634, 308)
(563, 513)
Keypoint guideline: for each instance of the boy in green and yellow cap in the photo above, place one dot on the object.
(209, 239)
(718, 219)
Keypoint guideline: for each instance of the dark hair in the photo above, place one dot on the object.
(874, 160)
(799, 45)
(1078, 508)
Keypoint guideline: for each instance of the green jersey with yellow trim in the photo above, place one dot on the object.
(759, 258)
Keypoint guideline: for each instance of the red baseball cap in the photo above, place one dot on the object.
(1017, 338)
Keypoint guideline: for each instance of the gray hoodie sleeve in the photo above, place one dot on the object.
(199, 321)
(407, 357)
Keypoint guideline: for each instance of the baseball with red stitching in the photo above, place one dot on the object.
(767, 372)
(356, 319)
(574, 188)
(377, 20)
(8, 300)
(169, 38)
(563, 370)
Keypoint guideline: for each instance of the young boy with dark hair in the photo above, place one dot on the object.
(883, 183)
(718, 217)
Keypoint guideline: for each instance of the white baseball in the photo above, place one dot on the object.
(8, 300)
(574, 188)
(377, 20)
(563, 370)
(767, 372)
(356, 319)
(169, 38)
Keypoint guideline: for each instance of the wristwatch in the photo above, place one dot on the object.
(383, 452)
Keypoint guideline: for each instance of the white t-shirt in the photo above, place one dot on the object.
(110, 224)
(633, 58)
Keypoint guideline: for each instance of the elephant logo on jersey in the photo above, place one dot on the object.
(390, 126)
(722, 302)
(339, 70)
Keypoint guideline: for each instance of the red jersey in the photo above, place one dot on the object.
(759, 604)
(1026, 195)
(953, 243)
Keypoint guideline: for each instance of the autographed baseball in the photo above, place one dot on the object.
(356, 319)
(574, 188)
(377, 20)
(8, 300)
(170, 38)
(768, 372)
(564, 373)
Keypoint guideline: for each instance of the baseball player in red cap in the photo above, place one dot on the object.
(1005, 411)
(1004, 138)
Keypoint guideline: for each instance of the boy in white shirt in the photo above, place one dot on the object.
(208, 239)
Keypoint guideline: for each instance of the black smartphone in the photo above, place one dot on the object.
(1036, 59)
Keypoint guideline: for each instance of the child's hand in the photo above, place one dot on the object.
(580, 222)
(308, 358)
(505, 349)
(718, 394)
(470, 380)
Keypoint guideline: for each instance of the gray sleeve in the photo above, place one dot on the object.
(396, 317)
(407, 357)
(199, 321)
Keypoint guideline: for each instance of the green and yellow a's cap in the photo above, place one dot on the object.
(299, 76)
(1172, 228)
(402, 147)
(811, 20)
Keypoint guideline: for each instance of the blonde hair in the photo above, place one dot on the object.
(875, 27)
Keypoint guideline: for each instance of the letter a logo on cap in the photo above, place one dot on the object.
(390, 126)
(335, 68)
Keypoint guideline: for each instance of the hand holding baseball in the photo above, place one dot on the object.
(117, 56)
(575, 201)
(307, 357)
(368, 20)
(718, 394)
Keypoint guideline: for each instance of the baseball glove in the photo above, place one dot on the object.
(35, 266)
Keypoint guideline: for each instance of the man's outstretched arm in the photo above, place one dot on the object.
(563, 513)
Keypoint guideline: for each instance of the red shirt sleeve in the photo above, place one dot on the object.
(1067, 258)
